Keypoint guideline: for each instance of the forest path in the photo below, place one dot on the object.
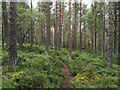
(67, 81)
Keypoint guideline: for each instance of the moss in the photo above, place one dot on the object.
(86, 76)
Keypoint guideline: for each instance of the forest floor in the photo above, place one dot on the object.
(66, 73)
(35, 69)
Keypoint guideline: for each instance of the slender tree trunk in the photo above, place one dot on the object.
(70, 29)
(42, 34)
(2, 28)
(103, 46)
(32, 38)
(95, 29)
(5, 22)
(119, 29)
(115, 31)
(92, 41)
(92, 26)
(63, 29)
(29, 37)
(60, 26)
(44, 30)
(64, 35)
(100, 35)
(55, 39)
(84, 35)
(75, 27)
(12, 51)
(110, 37)
(47, 27)
(80, 26)
(106, 42)
(99, 47)
(88, 43)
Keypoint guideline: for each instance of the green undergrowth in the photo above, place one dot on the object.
(89, 71)
(36, 70)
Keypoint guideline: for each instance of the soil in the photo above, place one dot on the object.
(67, 81)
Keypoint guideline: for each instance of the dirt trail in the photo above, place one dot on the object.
(67, 81)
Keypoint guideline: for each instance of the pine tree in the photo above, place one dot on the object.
(95, 28)
(70, 29)
(32, 39)
(119, 29)
(60, 26)
(103, 46)
(55, 39)
(110, 37)
(75, 28)
(115, 25)
(12, 51)
(47, 28)
(80, 26)
(5, 23)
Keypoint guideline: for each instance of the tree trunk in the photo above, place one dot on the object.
(55, 39)
(47, 28)
(92, 41)
(119, 30)
(5, 22)
(95, 28)
(42, 36)
(103, 46)
(12, 51)
(44, 30)
(75, 27)
(92, 26)
(60, 29)
(70, 29)
(2, 34)
(100, 35)
(84, 35)
(63, 30)
(29, 37)
(110, 37)
(115, 31)
(80, 26)
(32, 38)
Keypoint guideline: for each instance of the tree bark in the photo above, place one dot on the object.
(63, 30)
(5, 23)
(31, 27)
(119, 29)
(95, 28)
(92, 26)
(47, 28)
(12, 51)
(60, 26)
(2, 34)
(80, 26)
(100, 34)
(115, 31)
(84, 35)
(110, 37)
(70, 29)
(103, 46)
(55, 39)
(75, 27)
